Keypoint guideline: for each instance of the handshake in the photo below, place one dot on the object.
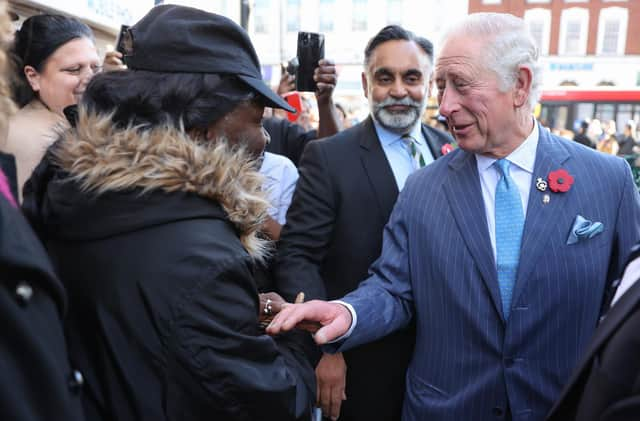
(271, 303)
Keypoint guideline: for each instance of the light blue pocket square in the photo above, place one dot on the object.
(584, 229)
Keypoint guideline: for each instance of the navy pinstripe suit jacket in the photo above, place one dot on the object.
(437, 266)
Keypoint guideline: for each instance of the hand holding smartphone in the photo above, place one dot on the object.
(120, 42)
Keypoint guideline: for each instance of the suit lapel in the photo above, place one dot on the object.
(463, 191)
(434, 141)
(377, 168)
(542, 219)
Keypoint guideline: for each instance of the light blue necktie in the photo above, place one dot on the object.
(509, 225)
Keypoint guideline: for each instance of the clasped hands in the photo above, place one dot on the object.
(326, 320)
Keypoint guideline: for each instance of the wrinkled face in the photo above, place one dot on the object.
(396, 83)
(65, 74)
(479, 114)
(243, 125)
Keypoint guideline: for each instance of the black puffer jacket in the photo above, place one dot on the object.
(152, 235)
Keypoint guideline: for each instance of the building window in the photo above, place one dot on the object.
(573, 31)
(394, 12)
(612, 30)
(539, 23)
(293, 15)
(359, 15)
(538, 1)
(261, 16)
(576, 1)
(327, 13)
(491, 1)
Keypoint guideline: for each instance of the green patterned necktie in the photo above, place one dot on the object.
(412, 147)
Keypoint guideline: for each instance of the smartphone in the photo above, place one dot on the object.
(120, 47)
(310, 51)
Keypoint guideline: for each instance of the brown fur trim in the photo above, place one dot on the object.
(103, 158)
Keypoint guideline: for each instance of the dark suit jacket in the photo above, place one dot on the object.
(606, 384)
(343, 199)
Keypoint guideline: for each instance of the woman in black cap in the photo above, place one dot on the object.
(53, 59)
(150, 208)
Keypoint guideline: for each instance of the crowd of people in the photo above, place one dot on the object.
(171, 251)
(608, 140)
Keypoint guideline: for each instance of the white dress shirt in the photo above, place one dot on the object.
(281, 176)
(521, 170)
(630, 276)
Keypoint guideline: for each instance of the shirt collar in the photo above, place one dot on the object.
(388, 137)
(524, 156)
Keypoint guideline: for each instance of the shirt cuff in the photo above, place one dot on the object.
(354, 321)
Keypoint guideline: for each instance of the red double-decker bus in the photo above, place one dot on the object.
(565, 107)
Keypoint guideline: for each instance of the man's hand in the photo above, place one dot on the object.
(331, 374)
(287, 84)
(270, 304)
(113, 61)
(334, 318)
(271, 228)
(326, 78)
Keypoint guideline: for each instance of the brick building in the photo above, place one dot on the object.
(583, 42)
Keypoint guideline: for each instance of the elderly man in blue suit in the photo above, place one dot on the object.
(501, 251)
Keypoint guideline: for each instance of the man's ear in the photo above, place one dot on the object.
(522, 89)
(365, 85)
(33, 77)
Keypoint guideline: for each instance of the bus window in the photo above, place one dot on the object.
(624, 115)
(560, 120)
(605, 112)
(583, 111)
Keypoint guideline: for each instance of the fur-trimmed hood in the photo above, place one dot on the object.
(101, 158)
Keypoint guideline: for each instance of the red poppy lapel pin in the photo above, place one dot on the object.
(558, 181)
(446, 148)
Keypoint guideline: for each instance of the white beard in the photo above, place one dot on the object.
(397, 122)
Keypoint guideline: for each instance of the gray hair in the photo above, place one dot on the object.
(511, 45)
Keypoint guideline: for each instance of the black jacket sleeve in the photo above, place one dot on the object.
(224, 361)
(288, 139)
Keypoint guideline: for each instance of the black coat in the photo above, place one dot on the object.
(163, 314)
(288, 139)
(606, 383)
(333, 233)
(37, 382)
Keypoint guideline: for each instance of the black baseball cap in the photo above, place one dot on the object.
(180, 39)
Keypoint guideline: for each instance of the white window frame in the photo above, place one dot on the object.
(538, 1)
(569, 14)
(544, 16)
(620, 13)
(491, 1)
